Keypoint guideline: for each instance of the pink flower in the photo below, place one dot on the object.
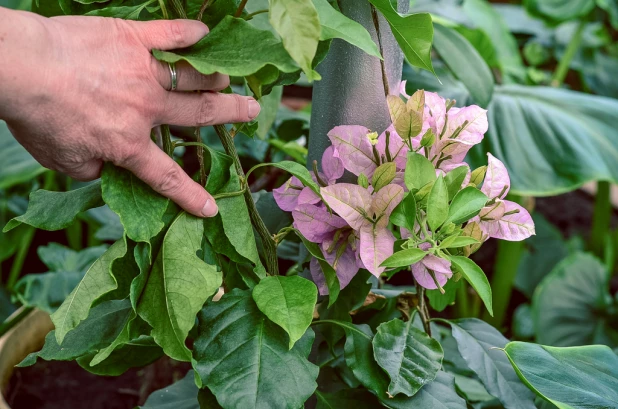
(440, 268)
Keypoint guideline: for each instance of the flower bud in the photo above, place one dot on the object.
(428, 139)
(373, 137)
(477, 176)
(363, 181)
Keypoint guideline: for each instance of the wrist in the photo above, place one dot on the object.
(24, 39)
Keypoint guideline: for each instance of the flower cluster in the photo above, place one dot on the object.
(415, 169)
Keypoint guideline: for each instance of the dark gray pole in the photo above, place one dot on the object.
(352, 90)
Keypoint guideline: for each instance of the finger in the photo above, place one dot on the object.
(170, 34)
(164, 175)
(189, 79)
(193, 109)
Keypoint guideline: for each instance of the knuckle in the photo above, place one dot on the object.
(172, 181)
(176, 30)
(206, 111)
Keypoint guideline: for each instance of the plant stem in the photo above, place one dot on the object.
(507, 261)
(163, 9)
(200, 157)
(241, 7)
(74, 234)
(601, 219)
(205, 5)
(565, 62)
(422, 309)
(270, 247)
(462, 306)
(20, 257)
(255, 13)
(12, 321)
(168, 146)
(376, 23)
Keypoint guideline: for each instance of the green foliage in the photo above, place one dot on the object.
(288, 302)
(404, 214)
(437, 204)
(578, 377)
(557, 10)
(244, 359)
(17, 164)
(419, 172)
(409, 356)
(57, 210)
(466, 204)
(476, 277)
(179, 395)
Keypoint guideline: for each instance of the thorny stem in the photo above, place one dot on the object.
(270, 247)
(241, 7)
(376, 23)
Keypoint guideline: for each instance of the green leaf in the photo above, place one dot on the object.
(383, 175)
(234, 47)
(288, 302)
(466, 204)
(103, 324)
(476, 277)
(336, 25)
(404, 258)
(244, 359)
(454, 179)
(419, 172)
(409, 356)
(346, 398)
(559, 10)
(332, 281)
(568, 306)
(298, 24)
(18, 165)
(178, 285)
(270, 105)
(465, 63)
(97, 281)
(123, 12)
(454, 242)
(139, 207)
(404, 214)
(295, 169)
(437, 204)
(565, 138)
(56, 210)
(133, 354)
(479, 344)
(570, 378)
(179, 395)
(413, 32)
(439, 301)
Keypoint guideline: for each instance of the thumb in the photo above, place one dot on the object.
(169, 34)
(164, 175)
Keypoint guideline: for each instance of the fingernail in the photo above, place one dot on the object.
(254, 108)
(210, 209)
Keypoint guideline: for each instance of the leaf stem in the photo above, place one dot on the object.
(270, 247)
(205, 5)
(255, 13)
(240, 9)
(565, 62)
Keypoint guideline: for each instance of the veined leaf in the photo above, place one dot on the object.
(336, 25)
(179, 395)
(419, 171)
(570, 378)
(17, 164)
(477, 279)
(466, 204)
(411, 358)
(454, 179)
(413, 32)
(97, 281)
(132, 354)
(404, 215)
(244, 359)
(437, 204)
(288, 302)
(298, 24)
(404, 258)
(178, 285)
(56, 210)
(234, 47)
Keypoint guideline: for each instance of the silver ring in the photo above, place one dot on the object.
(173, 76)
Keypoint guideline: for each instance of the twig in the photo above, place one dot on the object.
(205, 5)
(376, 23)
(270, 247)
(241, 7)
(422, 309)
(200, 157)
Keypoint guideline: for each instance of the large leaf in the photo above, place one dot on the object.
(140, 208)
(179, 395)
(97, 281)
(244, 359)
(298, 24)
(56, 210)
(478, 344)
(570, 378)
(179, 284)
(465, 62)
(568, 305)
(336, 25)
(411, 358)
(466, 204)
(559, 10)
(234, 47)
(99, 329)
(413, 32)
(17, 164)
(288, 302)
(551, 140)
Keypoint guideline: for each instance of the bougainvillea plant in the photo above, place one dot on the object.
(328, 331)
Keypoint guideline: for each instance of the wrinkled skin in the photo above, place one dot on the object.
(80, 91)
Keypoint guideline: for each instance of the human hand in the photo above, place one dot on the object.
(96, 92)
